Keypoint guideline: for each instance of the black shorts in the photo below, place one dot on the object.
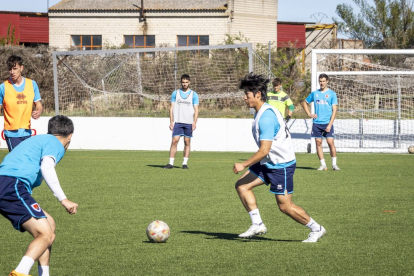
(318, 131)
(16, 203)
(280, 180)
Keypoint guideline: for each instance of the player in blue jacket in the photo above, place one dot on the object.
(22, 170)
(273, 164)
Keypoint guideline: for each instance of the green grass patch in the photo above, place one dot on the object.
(120, 192)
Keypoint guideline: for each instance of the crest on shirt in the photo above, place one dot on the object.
(36, 207)
(20, 96)
(326, 96)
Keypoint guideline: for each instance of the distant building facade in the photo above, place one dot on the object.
(91, 24)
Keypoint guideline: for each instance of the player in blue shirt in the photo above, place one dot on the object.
(22, 170)
(183, 119)
(273, 164)
(326, 106)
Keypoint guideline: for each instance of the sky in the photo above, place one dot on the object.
(289, 10)
(27, 5)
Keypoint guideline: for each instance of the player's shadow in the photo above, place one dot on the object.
(305, 168)
(234, 237)
(162, 166)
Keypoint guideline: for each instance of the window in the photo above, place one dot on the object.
(194, 40)
(87, 42)
(140, 41)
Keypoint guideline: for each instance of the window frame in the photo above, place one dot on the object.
(82, 47)
(198, 40)
(139, 46)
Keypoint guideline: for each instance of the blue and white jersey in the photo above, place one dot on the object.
(323, 105)
(183, 110)
(184, 95)
(24, 161)
(20, 132)
(269, 125)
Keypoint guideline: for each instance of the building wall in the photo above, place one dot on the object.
(111, 26)
(320, 36)
(256, 21)
(167, 27)
(34, 29)
(291, 35)
(13, 20)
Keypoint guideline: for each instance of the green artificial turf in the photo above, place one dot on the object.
(366, 208)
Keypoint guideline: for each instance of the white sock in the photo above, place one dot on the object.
(313, 225)
(333, 161)
(43, 270)
(171, 161)
(255, 216)
(185, 160)
(25, 265)
(323, 163)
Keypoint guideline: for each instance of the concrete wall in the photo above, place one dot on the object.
(154, 134)
(221, 135)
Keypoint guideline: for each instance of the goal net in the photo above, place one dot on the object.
(375, 90)
(139, 82)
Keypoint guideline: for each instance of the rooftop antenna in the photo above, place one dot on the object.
(319, 16)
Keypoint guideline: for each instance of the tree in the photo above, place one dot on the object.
(389, 24)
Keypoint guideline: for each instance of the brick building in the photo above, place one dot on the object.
(91, 24)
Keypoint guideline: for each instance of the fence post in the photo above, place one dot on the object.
(270, 57)
(55, 80)
(250, 58)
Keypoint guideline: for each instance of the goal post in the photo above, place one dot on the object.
(375, 90)
(139, 82)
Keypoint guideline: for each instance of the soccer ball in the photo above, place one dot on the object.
(411, 149)
(158, 231)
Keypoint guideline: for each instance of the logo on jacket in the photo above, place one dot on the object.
(36, 207)
(20, 98)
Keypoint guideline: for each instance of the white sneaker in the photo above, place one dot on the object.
(335, 168)
(322, 168)
(254, 230)
(315, 236)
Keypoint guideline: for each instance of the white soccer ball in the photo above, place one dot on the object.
(158, 231)
(411, 149)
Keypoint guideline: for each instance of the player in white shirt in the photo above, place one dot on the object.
(273, 164)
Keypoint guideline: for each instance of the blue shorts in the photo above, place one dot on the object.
(318, 131)
(183, 130)
(16, 203)
(280, 180)
(12, 142)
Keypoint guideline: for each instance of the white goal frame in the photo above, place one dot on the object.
(399, 147)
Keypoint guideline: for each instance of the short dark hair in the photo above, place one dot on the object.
(60, 125)
(276, 81)
(255, 83)
(185, 77)
(321, 76)
(13, 60)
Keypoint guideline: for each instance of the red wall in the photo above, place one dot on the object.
(291, 35)
(28, 29)
(34, 29)
(5, 20)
